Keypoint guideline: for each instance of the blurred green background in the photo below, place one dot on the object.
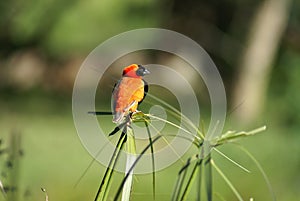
(254, 43)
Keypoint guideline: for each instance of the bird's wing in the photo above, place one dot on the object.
(146, 88)
(118, 117)
(129, 106)
(114, 94)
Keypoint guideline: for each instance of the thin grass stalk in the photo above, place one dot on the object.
(117, 129)
(179, 114)
(90, 165)
(163, 136)
(110, 176)
(132, 167)
(152, 157)
(208, 178)
(46, 194)
(231, 160)
(178, 185)
(195, 138)
(239, 197)
(176, 188)
(131, 157)
(181, 178)
(261, 170)
(199, 180)
(102, 191)
(190, 181)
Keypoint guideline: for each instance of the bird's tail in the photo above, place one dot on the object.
(118, 117)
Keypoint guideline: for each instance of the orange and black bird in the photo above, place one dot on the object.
(129, 91)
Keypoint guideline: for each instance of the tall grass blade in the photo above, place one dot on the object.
(176, 188)
(261, 171)
(235, 163)
(152, 157)
(46, 194)
(178, 114)
(181, 176)
(194, 137)
(90, 164)
(106, 190)
(103, 188)
(133, 165)
(164, 138)
(116, 129)
(239, 197)
(131, 157)
(166, 121)
(199, 180)
(208, 178)
(190, 180)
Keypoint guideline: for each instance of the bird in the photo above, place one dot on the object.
(129, 91)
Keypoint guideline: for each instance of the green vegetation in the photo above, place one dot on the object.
(54, 159)
(43, 44)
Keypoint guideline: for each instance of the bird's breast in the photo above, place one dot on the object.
(127, 91)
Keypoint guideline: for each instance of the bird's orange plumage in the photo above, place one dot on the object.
(129, 91)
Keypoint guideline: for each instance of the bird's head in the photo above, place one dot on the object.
(136, 71)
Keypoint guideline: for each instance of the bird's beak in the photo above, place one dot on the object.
(146, 72)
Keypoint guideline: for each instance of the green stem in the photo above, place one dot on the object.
(104, 186)
(152, 155)
(131, 157)
(133, 165)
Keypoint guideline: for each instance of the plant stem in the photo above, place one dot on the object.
(131, 157)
